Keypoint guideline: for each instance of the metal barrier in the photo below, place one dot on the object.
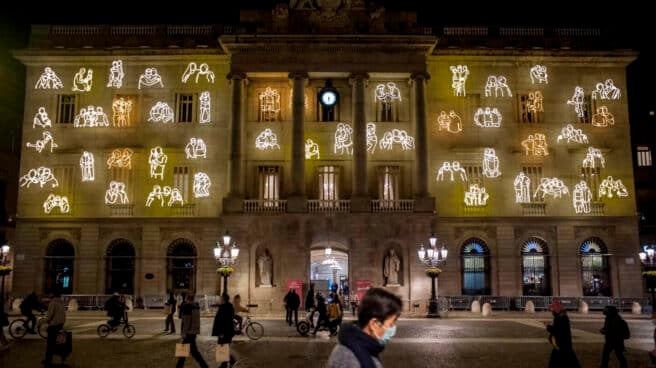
(496, 302)
(539, 302)
(569, 303)
(598, 302)
(87, 301)
(154, 301)
(462, 302)
(626, 304)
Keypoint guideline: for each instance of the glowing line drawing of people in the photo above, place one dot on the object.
(122, 109)
(157, 161)
(372, 138)
(490, 164)
(116, 193)
(161, 112)
(551, 186)
(48, 80)
(578, 100)
(572, 135)
(592, 156)
(538, 73)
(82, 83)
(41, 176)
(87, 166)
(266, 140)
(603, 118)
(459, 79)
(451, 122)
(40, 144)
(202, 185)
(581, 197)
(41, 119)
(116, 74)
(150, 78)
(311, 149)
(491, 118)
(205, 102)
(196, 148)
(522, 185)
(56, 201)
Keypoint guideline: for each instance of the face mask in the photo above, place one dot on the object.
(387, 336)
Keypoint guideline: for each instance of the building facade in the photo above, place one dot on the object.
(311, 128)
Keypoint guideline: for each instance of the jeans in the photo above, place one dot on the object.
(169, 322)
(289, 316)
(619, 353)
(51, 341)
(193, 349)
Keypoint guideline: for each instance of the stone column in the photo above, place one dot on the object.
(359, 196)
(423, 202)
(234, 200)
(297, 200)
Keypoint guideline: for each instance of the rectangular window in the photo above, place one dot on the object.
(534, 173)
(388, 184)
(591, 176)
(644, 156)
(328, 177)
(269, 185)
(185, 107)
(181, 181)
(530, 108)
(66, 108)
(474, 175)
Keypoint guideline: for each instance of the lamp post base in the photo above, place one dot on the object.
(433, 309)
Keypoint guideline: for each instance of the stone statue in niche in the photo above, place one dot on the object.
(391, 269)
(265, 268)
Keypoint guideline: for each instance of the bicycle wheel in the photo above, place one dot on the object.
(42, 328)
(129, 331)
(254, 330)
(303, 328)
(103, 330)
(17, 329)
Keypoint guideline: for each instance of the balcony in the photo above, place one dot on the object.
(121, 210)
(332, 206)
(265, 206)
(401, 205)
(534, 209)
(188, 210)
(597, 208)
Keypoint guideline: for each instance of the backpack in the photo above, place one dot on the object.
(626, 333)
(333, 311)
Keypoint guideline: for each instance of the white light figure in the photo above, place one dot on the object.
(535, 145)
(534, 102)
(397, 136)
(490, 164)
(202, 185)
(150, 78)
(451, 168)
(553, 187)
(160, 193)
(311, 150)
(40, 144)
(343, 139)
(91, 117)
(41, 119)
(205, 103)
(120, 158)
(539, 74)
(161, 113)
(41, 176)
(116, 74)
(387, 92)
(522, 187)
(196, 148)
(48, 80)
(476, 196)
(592, 156)
(487, 118)
(56, 201)
(154, 194)
(572, 134)
(457, 168)
(578, 100)
(157, 161)
(452, 123)
(500, 86)
(122, 109)
(609, 186)
(603, 117)
(193, 68)
(606, 91)
(175, 197)
(267, 140)
(116, 193)
(87, 166)
(581, 198)
(372, 138)
(269, 104)
(459, 79)
(82, 82)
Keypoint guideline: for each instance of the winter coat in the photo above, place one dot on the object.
(190, 319)
(292, 300)
(223, 323)
(356, 349)
(560, 333)
(309, 299)
(614, 330)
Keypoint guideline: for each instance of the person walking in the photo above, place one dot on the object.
(335, 313)
(359, 345)
(223, 326)
(190, 328)
(169, 308)
(56, 317)
(27, 308)
(615, 331)
(309, 299)
(323, 313)
(560, 336)
(288, 310)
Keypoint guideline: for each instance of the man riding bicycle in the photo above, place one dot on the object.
(27, 306)
(115, 309)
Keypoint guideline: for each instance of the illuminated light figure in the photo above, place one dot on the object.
(592, 156)
(476, 196)
(160, 193)
(451, 122)
(499, 84)
(491, 118)
(606, 91)
(311, 149)
(269, 104)
(578, 100)
(572, 134)
(451, 167)
(202, 185)
(157, 161)
(161, 113)
(372, 138)
(156, 193)
(539, 74)
(266, 139)
(387, 92)
(150, 78)
(609, 186)
(205, 102)
(581, 198)
(459, 79)
(82, 83)
(196, 148)
(120, 158)
(536, 145)
(48, 80)
(535, 103)
(91, 117)
(87, 166)
(122, 109)
(455, 166)
(174, 196)
(193, 68)
(398, 136)
(40, 144)
(56, 201)
(343, 139)
(490, 164)
(551, 187)
(41, 119)
(603, 117)
(116, 193)
(522, 187)
(116, 74)
(41, 176)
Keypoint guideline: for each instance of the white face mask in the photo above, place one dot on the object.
(387, 335)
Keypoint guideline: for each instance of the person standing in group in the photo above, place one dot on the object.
(309, 299)
(169, 308)
(224, 326)
(560, 336)
(292, 302)
(615, 331)
(361, 344)
(323, 313)
(55, 318)
(190, 328)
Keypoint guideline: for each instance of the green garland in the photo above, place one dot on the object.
(225, 271)
(433, 272)
(649, 274)
(5, 269)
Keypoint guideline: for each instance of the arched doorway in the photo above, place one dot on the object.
(475, 267)
(595, 271)
(535, 267)
(120, 267)
(60, 262)
(329, 270)
(181, 266)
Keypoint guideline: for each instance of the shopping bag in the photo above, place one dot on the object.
(63, 343)
(182, 350)
(222, 353)
(167, 309)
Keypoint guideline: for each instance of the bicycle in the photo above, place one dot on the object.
(128, 330)
(254, 330)
(18, 328)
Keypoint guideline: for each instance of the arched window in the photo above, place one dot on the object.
(181, 266)
(535, 267)
(475, 267)
(595, 272)
(120, 267)
(60, 259)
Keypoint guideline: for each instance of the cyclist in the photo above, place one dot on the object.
(238, 308)
(27, 306)
(115, 309)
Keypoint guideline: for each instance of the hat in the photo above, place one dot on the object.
(556, 306)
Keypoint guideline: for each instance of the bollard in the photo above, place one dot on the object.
(529, 307)
(15, 305)
(487, 310)
(72, 305)
(583, 307)
(476, 306)
(636, 308)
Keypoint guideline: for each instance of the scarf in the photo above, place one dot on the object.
(363, 346)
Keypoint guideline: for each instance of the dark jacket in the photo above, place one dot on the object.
(615, 328)
(356, 349)
(292, 300)
(223, 323)
(30, 303)
(114, 307)
(321, 306)
(309, 299)
(190, 319)
(171, 301)
(560, 332)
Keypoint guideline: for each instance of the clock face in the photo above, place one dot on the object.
(328, 98)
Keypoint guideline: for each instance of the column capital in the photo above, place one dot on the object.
(419, 76)
(236, 76)
(358, 75)
(299, 75)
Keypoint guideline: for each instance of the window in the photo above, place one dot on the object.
(185, 103)
(644, 156)
(181, 181)
(595, 273)
(269, 185)
(181, 266)
(474, 175)
(60, 260)
(66, 108)
(535, 268)
(534, 173)
(120, 267)
(531, 108)
(591, 177)
(388, 184)
(475, 267)
(328, 185)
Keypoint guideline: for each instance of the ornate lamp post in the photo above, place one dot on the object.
(648, 260)
(432, 257)
(5, 269)
(226, 256)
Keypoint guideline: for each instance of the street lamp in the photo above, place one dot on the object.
(432, 257)
(5, 269)
(648, 260)
(226, 256)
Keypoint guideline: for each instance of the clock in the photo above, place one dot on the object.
(328, 97)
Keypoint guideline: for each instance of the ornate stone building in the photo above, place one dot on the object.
(337, 127)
